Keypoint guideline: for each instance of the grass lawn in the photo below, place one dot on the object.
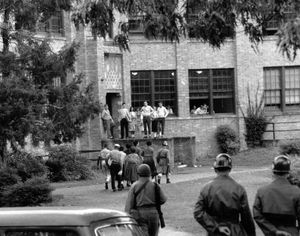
(252, 157)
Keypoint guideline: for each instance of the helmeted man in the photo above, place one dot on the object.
(276, 208)
(143, 197)
(222, 207)
(163, 162)
(148, 154)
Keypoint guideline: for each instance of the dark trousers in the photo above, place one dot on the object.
(161, 125)
(149, 221)
(124, 128)
(114, 170)
(147, 124)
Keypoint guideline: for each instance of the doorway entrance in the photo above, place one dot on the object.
(113, 100)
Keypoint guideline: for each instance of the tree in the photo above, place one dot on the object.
(30, 103)
(213, 20)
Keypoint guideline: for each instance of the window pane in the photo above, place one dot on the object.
(272, 87)
(223, 90)
(292, 86)
(140, 88)
(165, 89)
(119, 230)
(53, 25)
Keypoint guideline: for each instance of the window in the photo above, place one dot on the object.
(193, 12)
(136, 22)
(119, 230)
(136, 25)
(154, 87)
(282, 88)
(212, 91)
(272, 25)
(54, 25)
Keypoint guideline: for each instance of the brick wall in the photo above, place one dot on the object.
(189, 54)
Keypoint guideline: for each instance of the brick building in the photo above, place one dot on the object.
(186, 74)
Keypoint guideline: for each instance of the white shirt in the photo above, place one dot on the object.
(162, 112)
(146, 110)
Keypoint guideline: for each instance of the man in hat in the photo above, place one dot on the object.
(276, 208)
(115, 163)
(143, 198)
(163, 162)
(222, 207)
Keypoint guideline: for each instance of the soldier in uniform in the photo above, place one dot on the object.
(276, 208)
(222, 207)
(163, 162)
(143, 199)
(148, 154)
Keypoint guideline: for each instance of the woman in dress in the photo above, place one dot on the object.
(132, 123)
(132, 161)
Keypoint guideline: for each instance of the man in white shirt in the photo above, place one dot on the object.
(162, 114)
(146, 117)
(107, 121)
(124, 117)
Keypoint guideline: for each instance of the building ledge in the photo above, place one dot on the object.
(204, 117)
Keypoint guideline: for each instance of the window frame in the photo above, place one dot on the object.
(283, 107)
(210, 91)
(152, 91)
(40, 28)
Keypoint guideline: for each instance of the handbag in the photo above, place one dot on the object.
(134, 212)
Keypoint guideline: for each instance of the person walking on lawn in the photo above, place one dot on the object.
(222, 207)
(144, 201)
(163, 162)
(115, 164)
(102, 163)
(148, 154)
(276, 208)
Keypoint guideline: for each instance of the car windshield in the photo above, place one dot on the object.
(31, 232)
(119, 230)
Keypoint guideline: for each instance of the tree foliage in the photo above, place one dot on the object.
(213, 20)
(30, 103)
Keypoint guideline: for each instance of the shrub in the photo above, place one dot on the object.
(26, 165)
(33, 192)
(227, 139)
(290, 147)
(66, 164)
(255, 120)
(8, 177)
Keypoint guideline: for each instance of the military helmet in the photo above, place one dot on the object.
(281, 164)
(223, 161)
(144, 170)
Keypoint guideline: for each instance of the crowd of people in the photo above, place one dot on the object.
(202, 110)
(149, 120)
(222, 207)
(121, 164)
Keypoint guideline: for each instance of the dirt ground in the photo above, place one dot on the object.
(182, 195)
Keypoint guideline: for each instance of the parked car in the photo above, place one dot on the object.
(66, 221)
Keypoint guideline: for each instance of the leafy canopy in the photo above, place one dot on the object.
(212, 20)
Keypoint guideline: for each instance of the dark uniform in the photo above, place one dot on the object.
(148, 154)
(223, 203)
(277, 205)
(145, 202)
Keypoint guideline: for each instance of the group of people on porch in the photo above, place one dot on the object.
(150, 120)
